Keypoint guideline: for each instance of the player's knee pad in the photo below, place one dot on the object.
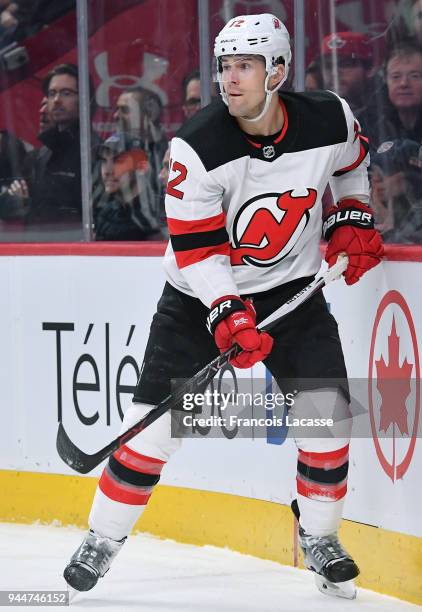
(155, 440)
(330, 407)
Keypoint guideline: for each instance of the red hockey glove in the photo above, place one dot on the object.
(349, 228)
(232, 320)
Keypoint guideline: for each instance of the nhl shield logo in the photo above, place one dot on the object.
(268, 152)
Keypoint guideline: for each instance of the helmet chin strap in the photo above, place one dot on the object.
(268, 95)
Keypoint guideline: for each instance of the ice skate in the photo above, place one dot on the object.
(333, 566)
(91, 561)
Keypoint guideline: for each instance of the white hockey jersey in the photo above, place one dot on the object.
(244, 212)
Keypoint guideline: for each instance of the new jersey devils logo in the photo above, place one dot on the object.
(267, 227)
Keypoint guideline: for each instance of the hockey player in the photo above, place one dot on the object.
(245, 219)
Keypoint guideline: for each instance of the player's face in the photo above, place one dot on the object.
(404, 81)
(243, 81)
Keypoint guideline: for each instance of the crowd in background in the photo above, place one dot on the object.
(386, 98)
(42, 187)
(20, 19)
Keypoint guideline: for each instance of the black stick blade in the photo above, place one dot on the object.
(71, 454)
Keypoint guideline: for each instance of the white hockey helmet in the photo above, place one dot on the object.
(262, 35)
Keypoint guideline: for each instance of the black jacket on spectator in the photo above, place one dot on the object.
(388, 127)
(33, 15)
(115, 220)
(12, 158)
(409, 230)
(55, 178)
(53, 175)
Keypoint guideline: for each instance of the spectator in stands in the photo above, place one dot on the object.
(51, 191)
(406, 25)
(164, 176)
(347, 67)
(8, 21)
(401, 115)
(8, 14)
(191, 94)
(12, 158)
(165, 169)
(127, 210)
(398, 188)
(138, 113)
(15, 165)
(45, 120)
(138, 116)
(26, 17)
(313, 76)
(380, 204)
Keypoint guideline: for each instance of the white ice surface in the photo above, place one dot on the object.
(156, 575)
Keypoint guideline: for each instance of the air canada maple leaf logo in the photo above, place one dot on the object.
(394, 385)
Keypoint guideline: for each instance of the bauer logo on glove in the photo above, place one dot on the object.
(222, 310)
(350, 216)
(349, 228)
(232, 320)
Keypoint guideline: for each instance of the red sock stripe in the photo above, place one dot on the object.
(327, 461)
(312, 490)
(140, 463)
(123, 493)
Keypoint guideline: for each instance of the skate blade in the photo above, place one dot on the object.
(346, 589)
(72, 593)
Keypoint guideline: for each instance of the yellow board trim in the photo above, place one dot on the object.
(390, 562)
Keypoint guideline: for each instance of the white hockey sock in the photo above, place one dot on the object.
(112, 519)
(320, 518)
(131, 474)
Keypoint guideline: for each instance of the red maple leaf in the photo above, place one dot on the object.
(393, 384)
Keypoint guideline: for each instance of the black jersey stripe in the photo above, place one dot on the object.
(197, 240)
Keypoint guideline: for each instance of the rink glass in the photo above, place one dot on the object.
(153, 44)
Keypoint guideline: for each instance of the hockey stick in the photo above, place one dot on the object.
(84, 463)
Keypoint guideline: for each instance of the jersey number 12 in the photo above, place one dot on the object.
(182, 173)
